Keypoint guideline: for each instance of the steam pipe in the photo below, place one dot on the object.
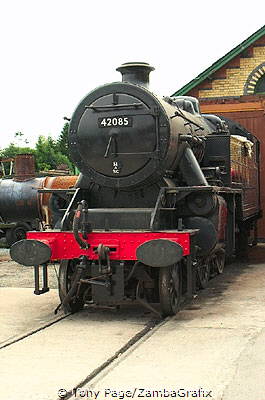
(191, 170)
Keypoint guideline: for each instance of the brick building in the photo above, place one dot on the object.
(234, 86)
(240, 72)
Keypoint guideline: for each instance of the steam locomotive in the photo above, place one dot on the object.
(164, 197)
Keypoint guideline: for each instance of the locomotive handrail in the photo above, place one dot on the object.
(115, 106)
(153, 154)
(179, 114)
(57, 190)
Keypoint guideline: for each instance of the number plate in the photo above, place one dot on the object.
(107, 122)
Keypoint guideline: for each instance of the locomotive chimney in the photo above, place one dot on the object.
(24, 167)
(136, 72)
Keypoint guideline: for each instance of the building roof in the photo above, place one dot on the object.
(221, 62)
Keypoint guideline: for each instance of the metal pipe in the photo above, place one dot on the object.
(76, 224)
(191, 169)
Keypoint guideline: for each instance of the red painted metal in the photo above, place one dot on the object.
(122, 245)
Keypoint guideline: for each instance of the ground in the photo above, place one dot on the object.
(213, 348)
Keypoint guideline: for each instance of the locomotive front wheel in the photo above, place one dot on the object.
(67, 272)
(220, 262)
(203, 275)
(169, 290)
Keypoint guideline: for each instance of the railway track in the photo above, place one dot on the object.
(33, 337)
(43, 347)
(10, 342)
(142, 335)
(148, 329)
(97, 349)
(87, 342)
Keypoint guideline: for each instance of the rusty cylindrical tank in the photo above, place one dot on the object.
(19, 198)
(54, 182)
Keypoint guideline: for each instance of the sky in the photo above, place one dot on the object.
(53, 52)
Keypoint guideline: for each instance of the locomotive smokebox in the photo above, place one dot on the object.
(136, 73)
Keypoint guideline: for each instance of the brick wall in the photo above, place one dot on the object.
(231, 79)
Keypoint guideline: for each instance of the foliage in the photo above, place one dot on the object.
(12, 150)
(62, 141)
(49, 153)
(48, 156)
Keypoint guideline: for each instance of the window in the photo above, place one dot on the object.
(255, 83)
(260, 86)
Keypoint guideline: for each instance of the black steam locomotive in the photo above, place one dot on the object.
(164, 197)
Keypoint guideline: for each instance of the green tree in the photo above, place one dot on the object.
(62, 141)
(48, 156)
(49, 153)
(12, 150)
(18, 146)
